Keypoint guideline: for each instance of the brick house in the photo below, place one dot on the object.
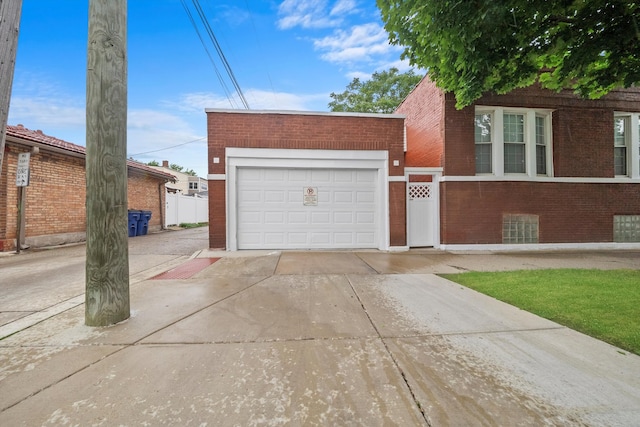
(531, 167)
(526, 170)
(55, 198)
(286, 180)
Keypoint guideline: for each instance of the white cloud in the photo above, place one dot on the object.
(314, 13)
(258, 100)
(359, 43)
(359, 74)
(159, 135)
(344, 7)
(46, 112)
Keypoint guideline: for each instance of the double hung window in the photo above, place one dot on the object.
(626, 147)
(512, 141)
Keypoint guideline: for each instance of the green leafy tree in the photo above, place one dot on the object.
(472, 47)
(179, 168)
(175, 167)
(380, 94)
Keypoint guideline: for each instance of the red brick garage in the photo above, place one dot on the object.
(302, 180)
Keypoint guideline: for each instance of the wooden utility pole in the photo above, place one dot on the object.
(107, 265)
(9, 28)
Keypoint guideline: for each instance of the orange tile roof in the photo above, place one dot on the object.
(37, 136)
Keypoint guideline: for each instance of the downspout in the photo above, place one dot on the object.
(160, 194)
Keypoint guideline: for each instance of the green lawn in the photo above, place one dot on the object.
(192, 224)
(604, 304)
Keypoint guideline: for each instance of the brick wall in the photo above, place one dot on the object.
(425, 131)
(55, 199)
(582, 129)
(8, 199)
(568, 212)
(302, 131)
(471, 212)
(147, 193)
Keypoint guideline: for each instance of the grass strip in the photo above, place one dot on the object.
(604, 304)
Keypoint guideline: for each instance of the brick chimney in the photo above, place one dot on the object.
(165, 163)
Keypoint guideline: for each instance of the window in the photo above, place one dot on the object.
(483, 143)
(522, 147)
(193, 186)
(626, 228)
(541, 146)
(626, 147)
(520, 228)
(514, 146)
(620, 145)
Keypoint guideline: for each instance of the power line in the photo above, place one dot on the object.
(221, 55)
(168, 148)
(204, 45)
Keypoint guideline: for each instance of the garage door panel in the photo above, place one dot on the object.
(295, 196)
(298, 175)
(274, 196)
(365, 218)
(320, 218)
(343, 197)
(319, 238)
(251, 217)
(271, 218)
(321, 176)
(252, 175)
(365, 238)
(277, 238)
(249, 196)
(275, 175)
(297, 218)
(271, 210)
(344, 176)
(365, 197)
(343, 217)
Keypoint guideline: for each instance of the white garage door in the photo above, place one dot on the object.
(306, 208)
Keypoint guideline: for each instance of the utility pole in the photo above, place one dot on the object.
(9, 27)
(107, 265)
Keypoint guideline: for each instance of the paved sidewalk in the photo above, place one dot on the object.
(314, 338)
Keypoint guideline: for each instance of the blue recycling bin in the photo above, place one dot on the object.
(134, 217)
(143, 223)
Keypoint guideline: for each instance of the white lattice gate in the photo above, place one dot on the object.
(422, 213)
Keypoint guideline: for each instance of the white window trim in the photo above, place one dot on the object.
(497, 139)
(633, 147)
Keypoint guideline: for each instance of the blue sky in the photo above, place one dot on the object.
(286, 55)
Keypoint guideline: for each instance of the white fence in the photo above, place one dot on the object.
(185, 209)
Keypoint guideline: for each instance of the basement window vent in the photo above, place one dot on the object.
(626, 228)
(518, 228)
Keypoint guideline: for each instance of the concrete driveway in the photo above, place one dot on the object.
(316, 338)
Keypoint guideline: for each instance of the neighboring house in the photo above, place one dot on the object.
(198, 186)
(185, 184)
(530, 169)
(181, 183)
(55, 199)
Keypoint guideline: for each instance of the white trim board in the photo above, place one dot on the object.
(518, 178)
(540, 247)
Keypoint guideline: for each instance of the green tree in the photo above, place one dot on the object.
(175, 167)
(472, 47)
(381, 94)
